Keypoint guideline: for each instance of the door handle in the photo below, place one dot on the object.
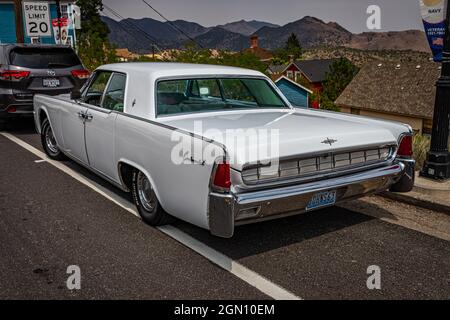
(88, 116)
(81, 115)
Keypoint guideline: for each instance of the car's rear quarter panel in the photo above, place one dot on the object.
(182, 189)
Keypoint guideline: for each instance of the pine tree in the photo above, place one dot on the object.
(292, 49)
(341, 72)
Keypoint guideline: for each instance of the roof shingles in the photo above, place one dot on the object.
(404, 89)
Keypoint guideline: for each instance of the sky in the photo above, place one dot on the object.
(351, 14)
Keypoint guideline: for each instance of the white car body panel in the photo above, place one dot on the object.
(139, 138)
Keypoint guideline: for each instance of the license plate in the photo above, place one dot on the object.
(50, 83)
(322, 199)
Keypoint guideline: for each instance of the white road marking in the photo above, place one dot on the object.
(252, 278)
(39, 161)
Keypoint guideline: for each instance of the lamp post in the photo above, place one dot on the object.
(437, 165)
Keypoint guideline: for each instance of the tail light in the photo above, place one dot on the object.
(13, 75)
(81, 74)
(11, 109)
(405, 148)
(222, 180)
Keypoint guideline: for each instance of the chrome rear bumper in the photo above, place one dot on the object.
(228, 210)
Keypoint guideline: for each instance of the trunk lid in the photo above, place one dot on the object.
(299, 134)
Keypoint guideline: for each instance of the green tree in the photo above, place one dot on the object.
(341, 72)
(292, 49)
(293, 43)
(192, 54)
(94, 48)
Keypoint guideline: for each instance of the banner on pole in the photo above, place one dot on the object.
(433, 15)
(63, 25)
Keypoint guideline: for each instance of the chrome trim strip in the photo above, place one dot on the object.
(268, 195)
(277, 202)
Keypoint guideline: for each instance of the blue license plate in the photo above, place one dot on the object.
(322, 199)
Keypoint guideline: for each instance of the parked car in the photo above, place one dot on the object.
(27, 69)
(124, 125)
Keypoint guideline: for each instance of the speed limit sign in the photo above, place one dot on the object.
(37, 19)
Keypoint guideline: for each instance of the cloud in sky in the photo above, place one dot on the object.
(351, 14)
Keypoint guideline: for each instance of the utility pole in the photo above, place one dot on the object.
(19, 20)
(437, 165)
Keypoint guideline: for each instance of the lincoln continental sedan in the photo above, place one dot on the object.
(219, 146)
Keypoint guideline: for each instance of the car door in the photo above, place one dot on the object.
(72, 130)
(100, 126)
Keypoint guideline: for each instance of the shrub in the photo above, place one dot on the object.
(421, 145)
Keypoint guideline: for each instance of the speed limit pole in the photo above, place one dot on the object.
(19, 20)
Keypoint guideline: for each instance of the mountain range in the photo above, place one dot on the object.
(138, 35)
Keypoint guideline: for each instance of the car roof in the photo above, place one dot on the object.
(168, 69)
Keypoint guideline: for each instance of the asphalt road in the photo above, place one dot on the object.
(50, 221)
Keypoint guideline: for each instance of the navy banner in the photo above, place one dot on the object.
(434, 24)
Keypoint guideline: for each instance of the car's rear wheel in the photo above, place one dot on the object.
(49, 142)
(146, 201)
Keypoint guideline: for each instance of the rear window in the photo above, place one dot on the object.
(43, 58)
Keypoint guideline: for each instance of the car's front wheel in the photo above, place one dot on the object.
(146, 201)
(49, 142)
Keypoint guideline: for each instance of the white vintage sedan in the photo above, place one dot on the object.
(219, 146)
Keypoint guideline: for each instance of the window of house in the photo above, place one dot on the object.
(355, 111)
(64, 8)
(290, 74)
(297, 75)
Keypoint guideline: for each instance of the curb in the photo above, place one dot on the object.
(404, 197)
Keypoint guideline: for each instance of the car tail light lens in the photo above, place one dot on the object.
(13, 75)
(11, 109)
(81, 74)
(405, 149)
(222, 177)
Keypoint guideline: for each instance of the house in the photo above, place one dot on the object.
(402, 92)
(263, 54)
(8, 23)
(125, 55)
(312, 72)
(297, 94)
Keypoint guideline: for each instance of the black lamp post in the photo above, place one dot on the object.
(437, 165)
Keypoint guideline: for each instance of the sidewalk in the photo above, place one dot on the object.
(427, 194)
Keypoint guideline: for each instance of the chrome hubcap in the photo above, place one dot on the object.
(50, 140)
(146, 194)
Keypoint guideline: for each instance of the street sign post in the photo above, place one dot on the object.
(60, 30)
(37, 19)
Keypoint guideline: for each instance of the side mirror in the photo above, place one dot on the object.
(75, 94)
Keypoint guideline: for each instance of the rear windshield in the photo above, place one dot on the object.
(43, 58)
(215, 94)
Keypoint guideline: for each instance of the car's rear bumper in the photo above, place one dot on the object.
(228, 210)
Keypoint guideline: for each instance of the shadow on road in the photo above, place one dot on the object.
(23, 125)
(262, 237)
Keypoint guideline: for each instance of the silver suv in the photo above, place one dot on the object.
(27, 69)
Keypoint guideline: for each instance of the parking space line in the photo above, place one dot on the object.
(39, 161)
(250, 277)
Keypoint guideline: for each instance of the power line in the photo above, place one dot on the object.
(125, 30)
(131, 25)
(172, 24)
